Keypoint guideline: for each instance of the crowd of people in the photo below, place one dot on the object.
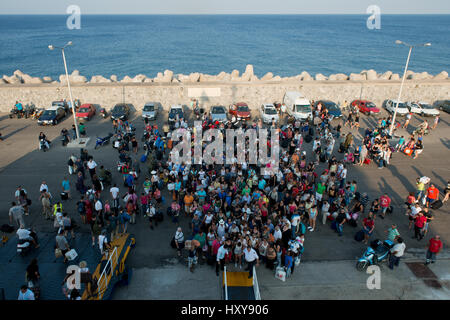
(236, 215)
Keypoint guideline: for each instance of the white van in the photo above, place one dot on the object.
(297, 105)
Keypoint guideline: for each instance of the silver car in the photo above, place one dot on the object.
(150, 110)
(218, 113)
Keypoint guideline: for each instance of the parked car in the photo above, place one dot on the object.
(332, 107)
(365, 106)
(86, 111)
(121, 111)
(150, 110)
(269, 113)
(218, 113)
(443, 105)
(240, 111)
(297, 106)
(175, 112)
(422, 108)
(67, 105)
(402, 107)
(52, 116)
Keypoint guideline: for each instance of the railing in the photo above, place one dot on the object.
(225, 282)
(256, 285)
(103, 281)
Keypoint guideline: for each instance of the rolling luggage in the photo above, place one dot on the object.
(359, 236)
(308, 138)
(64, 196)
(144, 158)
(408, 151)
(322, 157)
(437, 204)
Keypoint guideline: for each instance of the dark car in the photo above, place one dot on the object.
(443, 105)
(332, 107)
(121, 111)
(51, 116)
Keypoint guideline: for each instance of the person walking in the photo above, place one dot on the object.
(46, 204)
(434, 247)
(220, 257)
(419, 224)
(62, 244)
(179, 240)
(396, 253)
(432, 195)
(385, 203)
(250, 256)
(436, 121)
(368, 227)
(16, 213)
(25, 293)
(66, 187)
(392, 233)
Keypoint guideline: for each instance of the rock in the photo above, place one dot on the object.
(338, 77)
(174, 80)
(385, 76)
(276, 78)
(441, 76)
(33, 80)
(159, 77)
(14, 79)
(78, 79)
(357, 77)
(194, 77)
(75, 73)
(18, 73)
(126, 79)
(267, 76)
(113, 78)
(320, 77)
(99, 79)
(247, 75)
(148, 80)
(47, 79)
(254, 78)
(370, 74)
(2, 81)
(204, 77)
(409, 74)
(226, 77)
(168, 76)
(395, 77)
(305, 76)
(221, 76)
(234, 75)
(139, 78)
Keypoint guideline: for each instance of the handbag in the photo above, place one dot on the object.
(71, 255)
(280, 274)
(28, 202)
(58, 253)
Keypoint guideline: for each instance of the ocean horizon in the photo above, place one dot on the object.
(284, 44)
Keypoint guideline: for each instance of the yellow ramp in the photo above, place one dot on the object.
(237, 279)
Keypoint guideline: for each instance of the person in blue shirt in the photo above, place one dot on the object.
(288, 261)
(25, 293)
(66, 186)
(19, 106)
(262, 184)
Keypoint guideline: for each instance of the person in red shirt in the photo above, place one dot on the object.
(432, 194)
(434, 247)
(385, 202)
(419, 225)
(368, 226)
(410, 200)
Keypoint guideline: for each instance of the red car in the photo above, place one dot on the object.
(365, 106)
(240, 110)
(86, 111)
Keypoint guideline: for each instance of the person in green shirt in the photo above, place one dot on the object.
(321, 187)
(200, 237)
(246, 190)
(392, 233)
(82, 129)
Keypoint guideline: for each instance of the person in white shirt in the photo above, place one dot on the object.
(179, 240)
(221, 253)
(25, 234)
(103, 243)
(397, 252)
(325, 211)
(91, 164)
(44, 186)
(277, 233)
(25, 294)
(250, 257)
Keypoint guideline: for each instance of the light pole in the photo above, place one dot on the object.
(51, 47)
(404, 77)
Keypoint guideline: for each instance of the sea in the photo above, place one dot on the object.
(285, 45)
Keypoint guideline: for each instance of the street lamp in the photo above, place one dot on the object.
(404, 77)
(51, 47)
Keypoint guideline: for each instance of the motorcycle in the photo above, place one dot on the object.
(103, 113)
(377, 252)
(102, 141)
(25, 245)
(16, 113)
(107, 179)
(199, 112)
(43, 145)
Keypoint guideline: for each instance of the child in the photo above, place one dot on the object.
(401, 142)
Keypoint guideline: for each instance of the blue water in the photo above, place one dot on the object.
(283, 44)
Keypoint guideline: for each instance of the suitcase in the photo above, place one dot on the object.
(359, 236)
(437, 204)
(366, 161)
(64, 196)
(308, 138)
(408, 151)
(322, 157)
(144, 158)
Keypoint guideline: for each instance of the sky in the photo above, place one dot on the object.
(225, 6)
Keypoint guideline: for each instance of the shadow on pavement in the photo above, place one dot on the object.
(6, 136)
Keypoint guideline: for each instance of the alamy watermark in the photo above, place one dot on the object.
(374, 21)
(251, 146)
(73, 281)
(374, 280)
(74, 20)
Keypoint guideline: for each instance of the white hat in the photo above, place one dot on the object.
(221, 221)
(153, 172)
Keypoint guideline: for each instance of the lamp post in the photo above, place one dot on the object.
(404, 77)
(51, 47)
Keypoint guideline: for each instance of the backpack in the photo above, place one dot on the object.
(81, 207)
(7, 228)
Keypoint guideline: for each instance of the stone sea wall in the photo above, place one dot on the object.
(223, 88)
